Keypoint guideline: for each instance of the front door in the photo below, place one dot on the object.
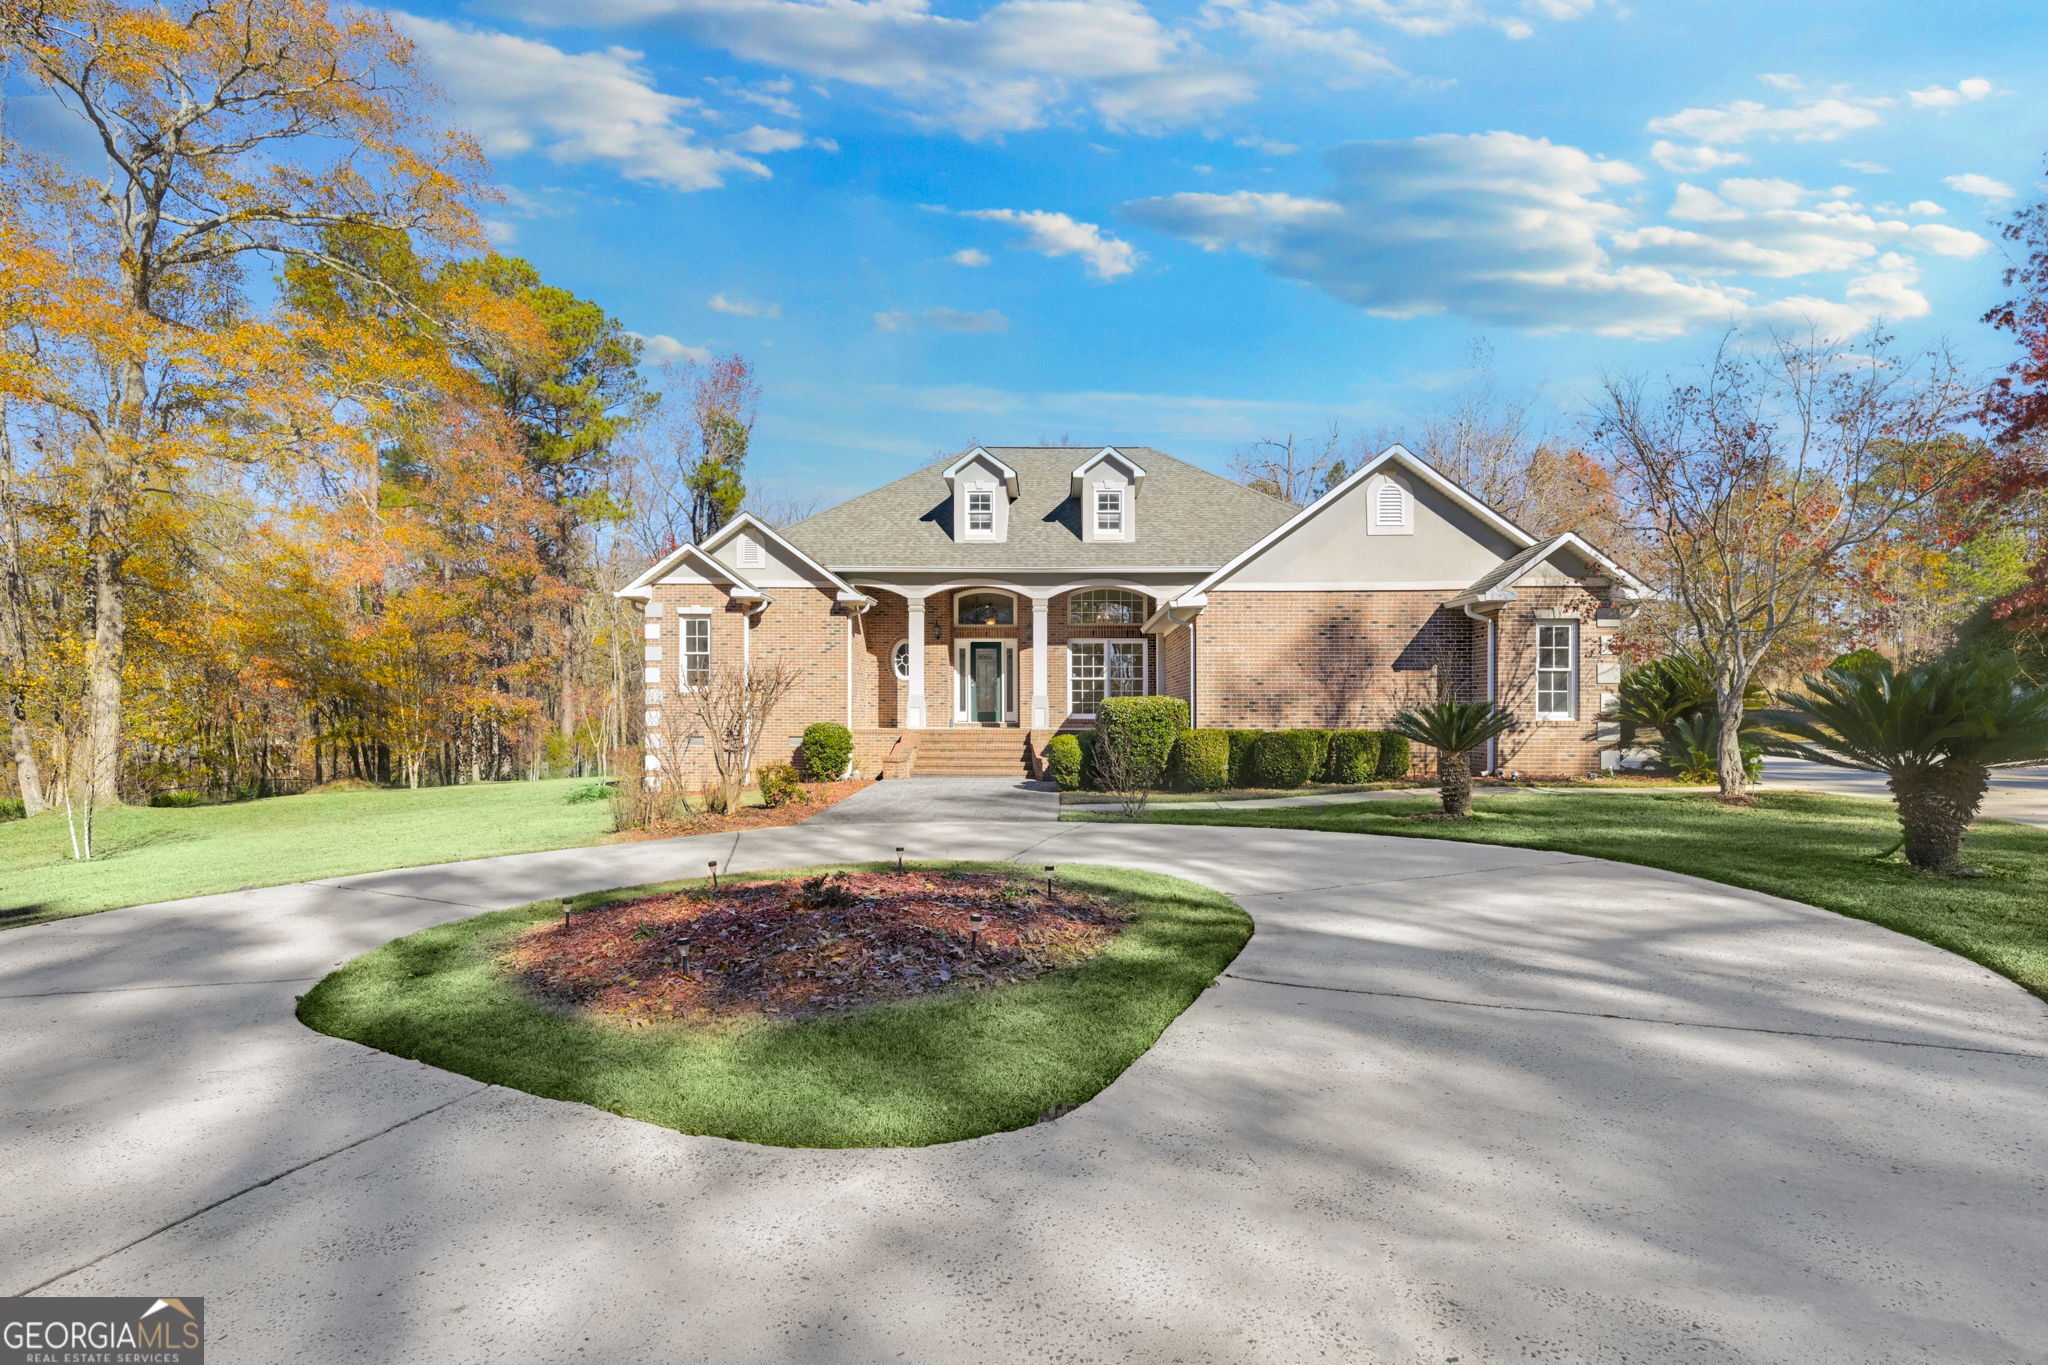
(985, 681)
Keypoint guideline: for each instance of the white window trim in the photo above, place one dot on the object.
(1074, 601)
(1123, 510)
(909, 655)
(960, 599)
(1571, 670)
(968, 529)
(1144, 667)
(683, 649)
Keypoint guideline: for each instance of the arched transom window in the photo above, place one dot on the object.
(985, 609)
(1106, 607)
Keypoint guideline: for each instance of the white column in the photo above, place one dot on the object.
(1041, 710)
(914, 709)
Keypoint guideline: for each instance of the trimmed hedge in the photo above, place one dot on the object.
(1063, 762)
(1241, 744)
(825, 750)
(1284, 758)
(1090, 779)
(1145, 728)
(1354, 756)
(1201, 761)
(1394, 757)
(1321, 739)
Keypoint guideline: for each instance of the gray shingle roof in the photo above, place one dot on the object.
(1507, 569)
(1185, 517)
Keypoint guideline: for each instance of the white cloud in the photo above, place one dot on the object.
(743, 308)
(1867, 167)
(1516, 231)
(1266, 145)
(1926, 208)
(1740, 120)
(971, 257)
(519, 95)
(1692, 160)
(1015, 66)
(1982, 186)
(1055, 234)
(1779, 80)
(1944, 96)
(662, 349)
(944, 320)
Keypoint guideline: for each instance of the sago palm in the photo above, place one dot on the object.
(1935, 730)
(1454, 729)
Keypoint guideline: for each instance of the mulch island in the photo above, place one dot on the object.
(793, 949)
(852, 1006)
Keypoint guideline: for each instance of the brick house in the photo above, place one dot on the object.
(958, 617)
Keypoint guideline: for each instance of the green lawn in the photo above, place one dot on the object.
(148, 854)
(1802, 846)
(939, 1068)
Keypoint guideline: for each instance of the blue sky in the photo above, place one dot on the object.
(1191, 225)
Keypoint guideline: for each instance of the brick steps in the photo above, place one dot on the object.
(971, 752)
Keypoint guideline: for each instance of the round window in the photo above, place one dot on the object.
(899, 659)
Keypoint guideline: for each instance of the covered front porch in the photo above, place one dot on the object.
(1004, 654)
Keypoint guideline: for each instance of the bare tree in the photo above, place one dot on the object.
(1296, 471)
(1757, 483)
(1121, 773)
(782, 509)
(731, 711)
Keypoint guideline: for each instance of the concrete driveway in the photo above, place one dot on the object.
(1451, 1103)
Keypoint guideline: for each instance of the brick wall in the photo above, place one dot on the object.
(1272, 660)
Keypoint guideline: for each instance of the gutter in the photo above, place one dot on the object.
(1492, 682)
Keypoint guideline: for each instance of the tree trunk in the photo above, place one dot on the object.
(1728, 741)
(1454, 783)
(1936, 806)
(108, 605)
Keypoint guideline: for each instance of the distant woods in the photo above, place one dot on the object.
(298, 481)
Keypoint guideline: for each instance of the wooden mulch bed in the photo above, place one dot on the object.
(823, 794)
(789, 949)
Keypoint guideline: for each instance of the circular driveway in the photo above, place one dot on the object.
(1452, 1102)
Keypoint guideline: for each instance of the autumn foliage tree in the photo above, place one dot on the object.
(2017, 408)
(228, 132)
(1758, 483)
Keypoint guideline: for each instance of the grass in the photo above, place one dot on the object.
(938, 1068)
(1803, 846)
(152, 854)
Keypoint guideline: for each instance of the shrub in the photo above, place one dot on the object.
(1321, 739)
(1091, 779)
(1063, 762)
(1201, 761)
(13, 808)
(595, 791)
(779, 785)
(1241, 744)
(825, 751)
(1143, 729)
(175, 800)
(1354, 756)
(1283, 758)
(1395, 757)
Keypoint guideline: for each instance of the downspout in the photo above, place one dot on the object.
(1492, 687)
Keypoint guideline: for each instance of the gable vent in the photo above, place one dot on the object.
(1388, 508)
(749, 552)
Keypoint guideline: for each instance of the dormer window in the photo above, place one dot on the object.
(981, 511)
(1109, 511)
(982, 487)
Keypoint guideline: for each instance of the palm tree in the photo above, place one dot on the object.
(1936, 730)
(1454, 729)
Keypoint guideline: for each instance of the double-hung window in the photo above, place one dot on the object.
(696, 669)
(1554, 671)
(981, 511)
(1109, 511)
(1103, 668)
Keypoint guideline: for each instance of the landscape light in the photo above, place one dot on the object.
(974, 935)
(714, 874)
(1048, 881)
(899, 857)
